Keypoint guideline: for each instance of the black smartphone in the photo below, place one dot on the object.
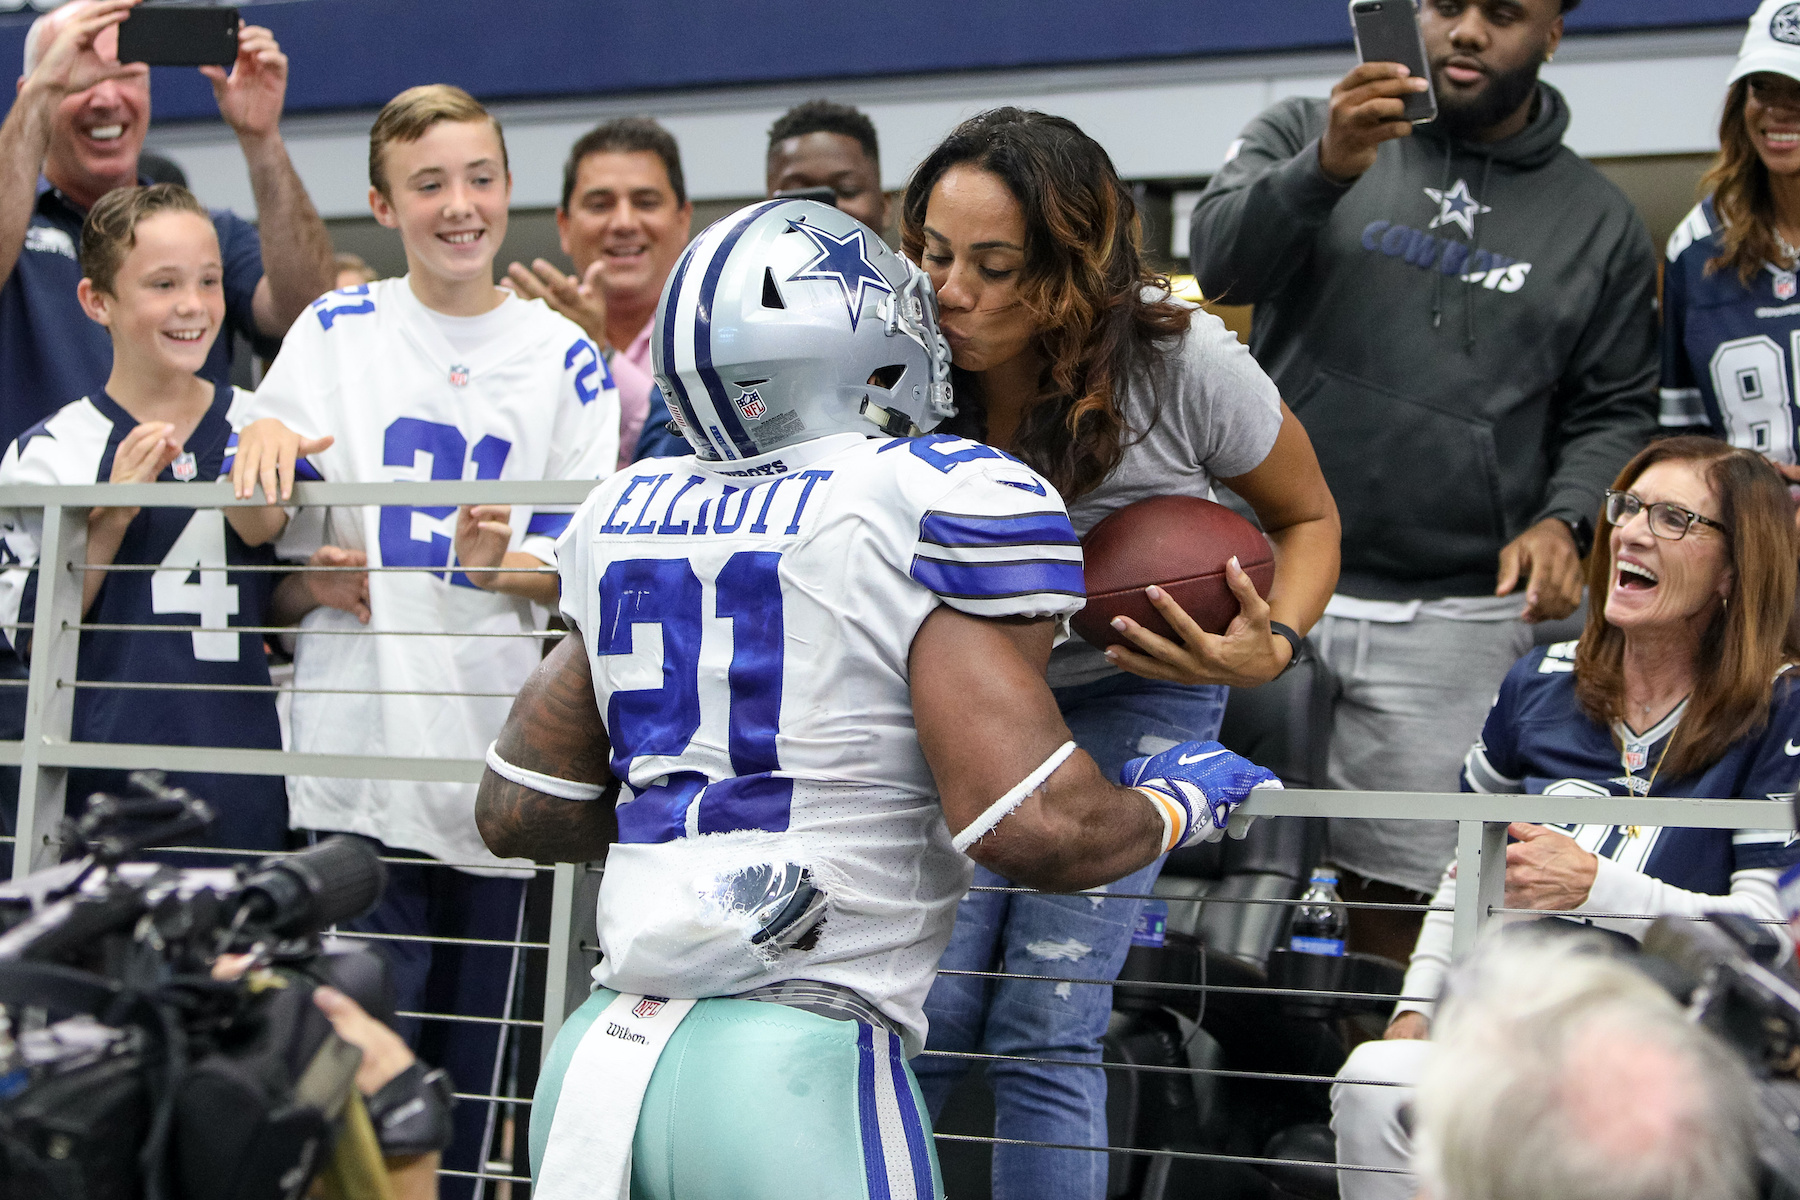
(179, 35)
(1388, 31)
(823, 195)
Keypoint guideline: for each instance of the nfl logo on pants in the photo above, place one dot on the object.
(648, 1007)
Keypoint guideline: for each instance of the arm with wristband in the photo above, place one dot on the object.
(1018, 796)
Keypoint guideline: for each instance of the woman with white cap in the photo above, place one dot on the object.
(1731, 292)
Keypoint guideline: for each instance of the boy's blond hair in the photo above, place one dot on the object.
(110, 230)
(407, 116)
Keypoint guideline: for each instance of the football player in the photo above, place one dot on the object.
(437, 375)
(804, 685)
(152, 276)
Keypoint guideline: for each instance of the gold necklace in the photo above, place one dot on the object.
(1632, 831)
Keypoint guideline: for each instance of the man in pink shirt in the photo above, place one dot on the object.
(624, 220)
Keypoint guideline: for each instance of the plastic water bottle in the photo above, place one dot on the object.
(1152, 925)
(1321, 919)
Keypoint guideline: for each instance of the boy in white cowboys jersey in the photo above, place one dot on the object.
(153, 277)
(438, 375)
(809, 663)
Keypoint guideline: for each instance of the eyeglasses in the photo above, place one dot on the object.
(1667, 521)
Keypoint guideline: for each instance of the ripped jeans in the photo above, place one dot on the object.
(1084, 937)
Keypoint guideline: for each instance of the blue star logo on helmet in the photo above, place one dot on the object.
(844, 261)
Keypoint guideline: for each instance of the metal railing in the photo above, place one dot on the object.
(47, 752)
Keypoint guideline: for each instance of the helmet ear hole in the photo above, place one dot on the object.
(771, 297)
(887, 377)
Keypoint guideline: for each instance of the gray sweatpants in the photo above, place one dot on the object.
(1411, 700)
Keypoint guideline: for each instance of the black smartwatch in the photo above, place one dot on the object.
(1582, 530)
(1293, 639)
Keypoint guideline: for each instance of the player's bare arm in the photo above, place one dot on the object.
(1288, 493)
(69, 64)
(554, 730)
(296, 249)
(483, 531)
(986, 720)
(266, 453)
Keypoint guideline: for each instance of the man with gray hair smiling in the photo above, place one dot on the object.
(1558, 1070)
(74, 133)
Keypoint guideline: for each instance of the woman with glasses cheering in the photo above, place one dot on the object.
(1679, 686)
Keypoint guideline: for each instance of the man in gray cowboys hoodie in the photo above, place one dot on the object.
(1463, 319)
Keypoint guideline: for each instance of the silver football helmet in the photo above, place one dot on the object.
(789, 320)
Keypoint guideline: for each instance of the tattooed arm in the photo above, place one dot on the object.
(554, 729)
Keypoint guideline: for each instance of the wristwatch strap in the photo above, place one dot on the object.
(1293, 639)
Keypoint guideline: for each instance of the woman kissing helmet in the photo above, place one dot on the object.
(789, 320)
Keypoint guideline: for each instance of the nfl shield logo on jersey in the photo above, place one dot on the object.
(752, 406)
(648, 1007)
(459, 376)
(184, 467)
(1786, 285)
(1636, 759)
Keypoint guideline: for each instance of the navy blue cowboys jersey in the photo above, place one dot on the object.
(1538, 740)
(1729, 352)
(75, 445)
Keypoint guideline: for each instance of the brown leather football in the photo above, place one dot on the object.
(1178, 543)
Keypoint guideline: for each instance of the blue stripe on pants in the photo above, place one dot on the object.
(869, 1118)
(910, 1122)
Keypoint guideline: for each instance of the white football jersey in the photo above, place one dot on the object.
(748, 625)
(370, 366)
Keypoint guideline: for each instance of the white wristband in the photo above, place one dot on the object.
(550, 785)
(996, 812)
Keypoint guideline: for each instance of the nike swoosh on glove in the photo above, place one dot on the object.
(1205, 783)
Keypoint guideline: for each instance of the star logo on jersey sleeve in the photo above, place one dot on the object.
(844, 261)
(1457, 207)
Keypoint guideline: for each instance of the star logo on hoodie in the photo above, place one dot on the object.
(1457, 207)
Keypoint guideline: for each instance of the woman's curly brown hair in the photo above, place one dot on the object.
(1084, 284)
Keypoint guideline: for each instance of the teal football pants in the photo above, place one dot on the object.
(759, 1101)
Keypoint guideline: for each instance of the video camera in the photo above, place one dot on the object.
(1724, 969)
(127, 1069)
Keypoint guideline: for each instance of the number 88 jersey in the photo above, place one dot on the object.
(1730, 351)
(748, 625)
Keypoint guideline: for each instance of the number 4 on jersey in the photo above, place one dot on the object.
(200, 552)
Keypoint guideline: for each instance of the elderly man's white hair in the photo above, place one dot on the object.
(1560, 1071)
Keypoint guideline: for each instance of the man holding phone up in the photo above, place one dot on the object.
(1462, 315)
(73, 134)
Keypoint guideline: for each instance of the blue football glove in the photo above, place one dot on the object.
(1206, 783)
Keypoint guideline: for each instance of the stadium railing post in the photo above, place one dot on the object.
(1480, 879)
(49, 708)
(564, 950)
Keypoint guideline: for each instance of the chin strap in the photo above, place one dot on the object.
(894, 424)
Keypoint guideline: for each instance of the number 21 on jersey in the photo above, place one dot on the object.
(653, 618)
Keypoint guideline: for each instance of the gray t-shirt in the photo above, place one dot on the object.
(1202, 411)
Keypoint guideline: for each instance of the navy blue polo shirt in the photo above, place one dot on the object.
(51, 354)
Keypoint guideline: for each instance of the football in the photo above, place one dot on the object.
(1179, 543)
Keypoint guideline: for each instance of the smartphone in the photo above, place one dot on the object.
(823, 195)
(179, 35)
(1388, 31)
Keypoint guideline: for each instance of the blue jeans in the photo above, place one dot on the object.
(1085, 937)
